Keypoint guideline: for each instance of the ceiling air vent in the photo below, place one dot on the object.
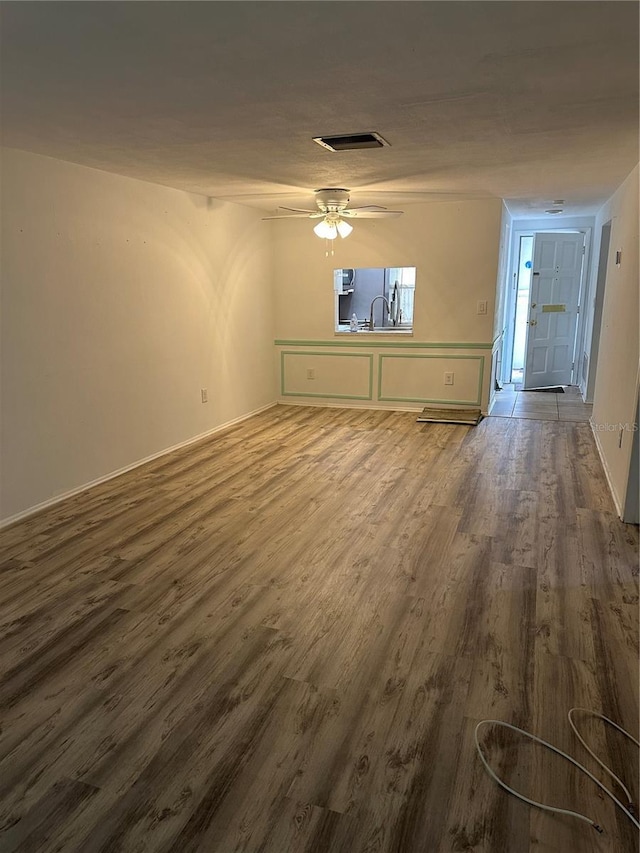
(351, 142)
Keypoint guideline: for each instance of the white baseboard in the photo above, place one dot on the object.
(346, 404)
(605, 467)
(350, 405)
(20, 516)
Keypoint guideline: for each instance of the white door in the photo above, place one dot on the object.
(553, 309)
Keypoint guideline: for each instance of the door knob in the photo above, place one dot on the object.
(533, 322)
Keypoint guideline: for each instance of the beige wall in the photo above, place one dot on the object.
(120, 301)
(616, 387)
(454, 247)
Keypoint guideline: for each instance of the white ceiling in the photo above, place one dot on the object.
(528, 101)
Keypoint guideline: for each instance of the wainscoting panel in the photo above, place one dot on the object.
(398, 374)
(333, 375)
(413, 378)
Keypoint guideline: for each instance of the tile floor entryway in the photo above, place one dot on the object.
(512, 402)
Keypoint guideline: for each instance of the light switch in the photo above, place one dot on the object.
(482, 306)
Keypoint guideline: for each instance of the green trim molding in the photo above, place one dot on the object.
(477, 402)
(368, 356)
(346, 341)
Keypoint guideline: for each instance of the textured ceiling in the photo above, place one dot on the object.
(528, 101)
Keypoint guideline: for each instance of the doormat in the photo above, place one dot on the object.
(469, 417)
(553, 389)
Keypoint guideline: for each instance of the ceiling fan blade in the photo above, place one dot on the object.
(307, 215)
(371, 214)
(288, 216)
(297, 209)
(368, 207)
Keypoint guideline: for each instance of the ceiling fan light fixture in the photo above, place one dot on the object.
(326, 230)
(333, 213)
(344, 229)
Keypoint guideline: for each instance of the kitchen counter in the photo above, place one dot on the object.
(383, 330)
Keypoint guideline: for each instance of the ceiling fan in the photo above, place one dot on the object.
(333, 211)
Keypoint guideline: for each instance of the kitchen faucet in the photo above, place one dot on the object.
(386, 302)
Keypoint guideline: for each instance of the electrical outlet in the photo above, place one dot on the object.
(482, 306)
(448, 377)
(311, 373)
(203, 395)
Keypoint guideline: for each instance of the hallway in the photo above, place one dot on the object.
(512, 402)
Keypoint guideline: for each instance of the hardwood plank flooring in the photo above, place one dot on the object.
(281, 639)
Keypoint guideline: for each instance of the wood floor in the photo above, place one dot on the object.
(281, 639)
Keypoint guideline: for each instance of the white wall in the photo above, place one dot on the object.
(454, 247)
(120, 301)
(616, 387)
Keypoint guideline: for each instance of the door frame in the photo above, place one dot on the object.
(510, 283)
(595, 308)
(578, 240)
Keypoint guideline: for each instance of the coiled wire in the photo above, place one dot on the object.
(564, 755)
